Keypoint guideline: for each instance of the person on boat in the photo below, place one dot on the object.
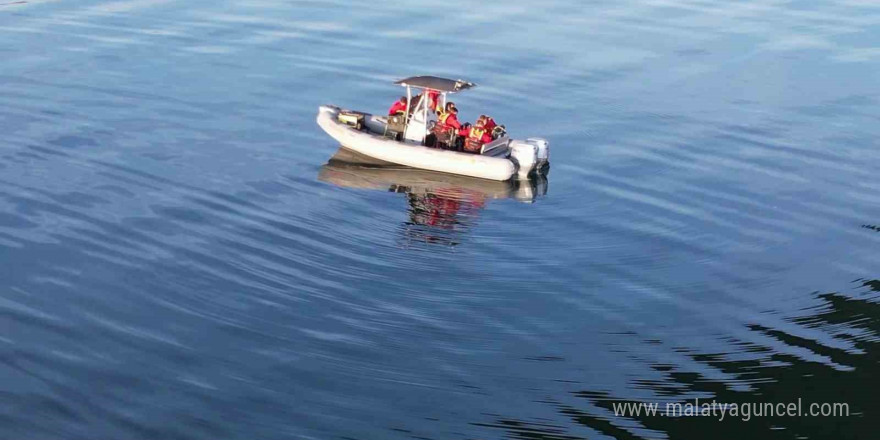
(443, 134)
(494, 130)
(449, 117)
(413, 103)
(398, 108)
(434, 101)
(489, 124)
(475, 136)
(466, 127)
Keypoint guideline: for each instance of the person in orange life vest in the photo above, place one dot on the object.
(448, 119)
(466, 128)
(476, 136)
(399, 107)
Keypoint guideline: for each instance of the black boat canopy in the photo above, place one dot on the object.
(436, 83)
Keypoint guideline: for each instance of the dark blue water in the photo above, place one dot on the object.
(179, 259)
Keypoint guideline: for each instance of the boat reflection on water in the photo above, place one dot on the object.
(442, 207)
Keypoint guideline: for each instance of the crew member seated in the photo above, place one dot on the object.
(398, 108)
(490, 123)
(494, 130)
(475, 136)
(449, 117)
(447, 126)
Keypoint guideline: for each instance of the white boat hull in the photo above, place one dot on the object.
(414, 155)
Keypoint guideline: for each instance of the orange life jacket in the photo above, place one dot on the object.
(476, 133)
(474, 141)
(441, 130)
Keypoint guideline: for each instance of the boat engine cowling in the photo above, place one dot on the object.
(530, 155)
(526, 157)
(543, 151)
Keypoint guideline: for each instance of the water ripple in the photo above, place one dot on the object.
(182, 257)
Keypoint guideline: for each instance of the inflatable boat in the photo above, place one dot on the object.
(405, 139)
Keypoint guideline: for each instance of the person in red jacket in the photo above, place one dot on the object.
(490, 123)
(399, 107)
(475, 136)
(433, 101)
(465, 129)
(448, 118)
(443, 135)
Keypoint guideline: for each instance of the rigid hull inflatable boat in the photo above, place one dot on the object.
(400, 139)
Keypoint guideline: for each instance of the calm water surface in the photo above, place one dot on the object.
(179, 259)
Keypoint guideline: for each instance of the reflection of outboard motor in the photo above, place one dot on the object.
(530, 155)
(528, 190)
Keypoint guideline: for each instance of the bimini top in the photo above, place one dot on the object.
(436, 83)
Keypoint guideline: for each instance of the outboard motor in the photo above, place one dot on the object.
(525, 155)
(531, 155)
(543, 151)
